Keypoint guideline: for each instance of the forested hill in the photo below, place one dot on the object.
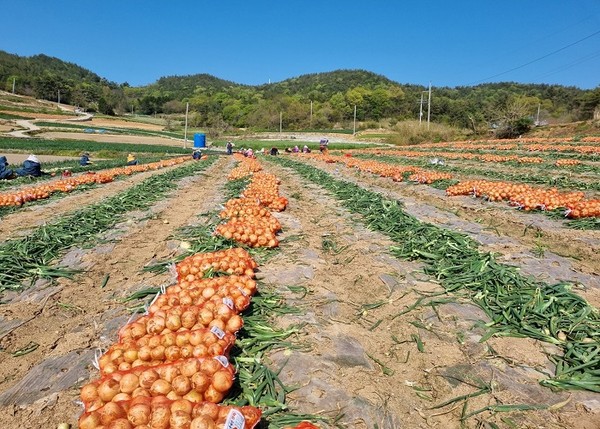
(321, 86)
(318, 100)
(31, 74)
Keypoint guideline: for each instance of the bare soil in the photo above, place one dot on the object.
(114, 138)
(360, 356)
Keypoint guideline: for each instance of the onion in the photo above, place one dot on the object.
(173, 322)
(193, 396)
(89, 393)
(203, 422)
(190, 367)
(188, 319)
(160, 387)
(206, 409)
(124, 366)
(234, 324)
(200, 351)
(154, 341)
(186, 351)
(200, 381)
(121, 397)
(182, 339)
(169, 372)
(219, 324)
(180, 420)
(210, 366)
(215, 350)
(169, 339)
(159, 419)
(155, 325)
(209, 338)
(130, 355)
(121, 423)
(205, 316)
(213, 395)
(145, 353)
(181, 385)
(158, 353)
(196, 337)
(139, 414)
(111, 411)
(182, 405)
(137, 330)
(147, 378)
(222, 381)
(116, 354)
(172, 353)
(173, 396)
(108, 389)
(140, 391)
(129, 383)
(89, 421)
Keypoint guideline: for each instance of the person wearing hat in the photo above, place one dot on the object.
(5, 172)
(131, 159)
(85, 159)
(31, 167)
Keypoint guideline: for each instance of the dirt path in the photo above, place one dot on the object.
(73, 318)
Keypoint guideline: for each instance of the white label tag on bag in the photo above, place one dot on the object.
(223, 361)
(228, 302)
(219, 333)
(235, 420)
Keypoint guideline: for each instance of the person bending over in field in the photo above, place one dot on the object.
(131, 159)
(31, 167)
(5, 172)
(85, 159)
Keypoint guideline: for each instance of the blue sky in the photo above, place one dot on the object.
(447, 43)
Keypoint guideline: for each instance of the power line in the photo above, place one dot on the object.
(568, 66)
(537, 59)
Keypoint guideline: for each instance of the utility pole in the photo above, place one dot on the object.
(429, 107)
(354, 132)
(59, 96)
(537, 121)
(421, 109)
(311, 113)
(280, 122)
(14, 79)
(187, 108)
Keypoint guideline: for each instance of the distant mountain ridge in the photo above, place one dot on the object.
(325, 99)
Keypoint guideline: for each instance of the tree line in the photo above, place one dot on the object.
(311, 101)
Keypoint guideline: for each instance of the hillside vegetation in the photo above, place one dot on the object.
(320, 101)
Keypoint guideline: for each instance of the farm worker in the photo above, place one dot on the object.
(305, 149)
(296, 149)
(323, 144)
(197, 154)
(274, 151)
(5, 172)
(31, 167)
(131, 159)
(85, 159)
(229, 148)
(249, 153)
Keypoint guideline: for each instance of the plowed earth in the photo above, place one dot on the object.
(358, 360)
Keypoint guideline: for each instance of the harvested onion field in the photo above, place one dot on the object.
(376, 290)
